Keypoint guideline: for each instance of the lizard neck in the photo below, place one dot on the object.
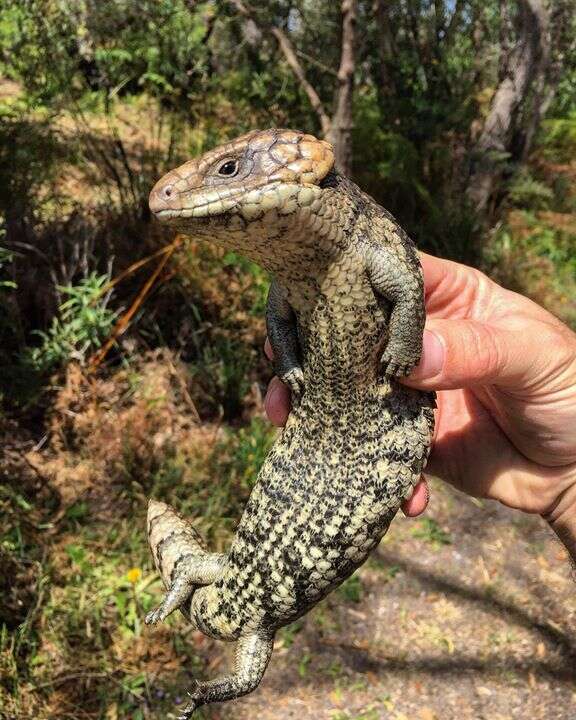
(298, 247)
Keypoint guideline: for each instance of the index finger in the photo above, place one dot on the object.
(451, 289)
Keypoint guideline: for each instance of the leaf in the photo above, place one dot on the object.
(76, 553)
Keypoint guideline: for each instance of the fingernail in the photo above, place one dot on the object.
(432, 360)
(268, 397)
(268, 350)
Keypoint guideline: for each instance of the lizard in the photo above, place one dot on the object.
(345, 318)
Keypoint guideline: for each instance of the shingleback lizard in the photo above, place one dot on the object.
(345, 317)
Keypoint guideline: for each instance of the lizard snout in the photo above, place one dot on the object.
(163, 195)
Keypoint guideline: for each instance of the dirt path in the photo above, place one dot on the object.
(469, 614)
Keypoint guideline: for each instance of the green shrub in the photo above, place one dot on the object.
(82, 323)
(527, 192)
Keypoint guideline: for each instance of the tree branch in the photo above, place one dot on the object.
(454, 20)
(386, 49)
(319, 65)
(292, 59)
(341, 131)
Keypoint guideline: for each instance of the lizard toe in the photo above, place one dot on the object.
(394, 366)
(294, 378)
(154, 616)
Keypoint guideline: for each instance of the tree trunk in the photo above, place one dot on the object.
(522, 67)
(560, 44)
(386, 50)
(340, 133)
(338, 128)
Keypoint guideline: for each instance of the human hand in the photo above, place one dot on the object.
(505, 372)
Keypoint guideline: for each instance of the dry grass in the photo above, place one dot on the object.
(74, 542)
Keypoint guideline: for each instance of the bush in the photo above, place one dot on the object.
(527, 192)
(82, 323)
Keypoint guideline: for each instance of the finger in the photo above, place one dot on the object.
(463, 353)
(418, 501)
(277, 402)
(498, 471)
(438, 271)
(454, 290)
(268, 350)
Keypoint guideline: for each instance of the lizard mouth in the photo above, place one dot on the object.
(217, 201)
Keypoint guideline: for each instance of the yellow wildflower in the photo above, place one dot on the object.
(133, 575)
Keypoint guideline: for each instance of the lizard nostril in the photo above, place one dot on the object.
(163, 195)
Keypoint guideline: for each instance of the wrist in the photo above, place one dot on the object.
(562, 518)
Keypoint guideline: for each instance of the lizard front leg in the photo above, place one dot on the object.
(282, 330)
(396, 275)
(252, 656)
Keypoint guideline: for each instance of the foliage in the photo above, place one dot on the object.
(83, 322)
(558, 138)
(533, 250)
(215, 486)
(59, 50)
(535, 253)
(525, 191)
(428, 530)
(398, 171)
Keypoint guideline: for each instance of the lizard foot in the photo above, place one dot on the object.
(193, 704)
(155, 616)
(394, 365)
(294, 378)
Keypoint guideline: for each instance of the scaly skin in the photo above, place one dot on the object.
(345, 316)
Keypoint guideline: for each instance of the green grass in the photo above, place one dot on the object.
(351, 589)
(429, 530)
(81, 638)
(212, 488)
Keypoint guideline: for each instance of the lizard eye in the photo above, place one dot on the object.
(228, 168)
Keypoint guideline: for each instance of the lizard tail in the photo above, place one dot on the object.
(171, 538)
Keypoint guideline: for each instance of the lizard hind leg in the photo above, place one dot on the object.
(253, 652)
(181, 558)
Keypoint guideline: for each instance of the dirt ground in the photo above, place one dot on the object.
(467, 615)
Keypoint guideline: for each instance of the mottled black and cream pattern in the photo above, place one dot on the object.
(345, 318)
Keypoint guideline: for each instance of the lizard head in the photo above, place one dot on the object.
(232, 193)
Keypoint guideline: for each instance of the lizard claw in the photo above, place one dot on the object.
(155, 616)
(192, 705)
(394, 366)
(294, 378)
(186, 713)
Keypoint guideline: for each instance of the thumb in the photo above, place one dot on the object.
(461, 353)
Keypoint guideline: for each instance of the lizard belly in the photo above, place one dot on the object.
(324, 497)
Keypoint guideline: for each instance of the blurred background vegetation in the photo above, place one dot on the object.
(459, 116)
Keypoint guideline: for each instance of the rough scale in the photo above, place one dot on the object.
(345, 318)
